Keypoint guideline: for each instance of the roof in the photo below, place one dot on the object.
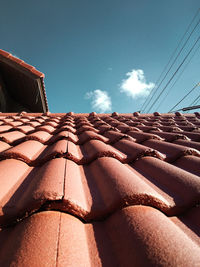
(99, 189)
(23, 83)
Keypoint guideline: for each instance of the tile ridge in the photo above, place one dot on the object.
(152, 230)
(110, 154)
(53, 205)
(82, 161)
(99, 138)
(188, 152)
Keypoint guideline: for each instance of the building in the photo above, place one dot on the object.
(94, 189)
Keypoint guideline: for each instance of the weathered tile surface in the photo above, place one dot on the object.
(99, 190)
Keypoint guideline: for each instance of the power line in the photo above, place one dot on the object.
(187, 108)
(174, 74)
(153, 91)
(195, 101)
(175, 60)
(198, 84)
(190, 108)
(166, 95)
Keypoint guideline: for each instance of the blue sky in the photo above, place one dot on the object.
(106, 55)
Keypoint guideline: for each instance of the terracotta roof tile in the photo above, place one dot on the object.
(25, 128)
(41, 136)
(31, 242)
(189, 163)
(171, 151)
(26, 151)
(10, 137)
(31, 188)
(4, 146)
(137, 235)
(124, 188)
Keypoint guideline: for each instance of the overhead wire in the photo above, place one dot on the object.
(187, 108)
(174, 74)
(169, 90)
(155, 88)
(195, 101)
(175, 60)
(198, 84)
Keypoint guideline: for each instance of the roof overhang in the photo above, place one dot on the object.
(23, 83)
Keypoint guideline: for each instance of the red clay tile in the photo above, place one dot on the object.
(141, 137)
(134, 236)
(81, 167)
(4, 53)
(15, 123)
(104, 128)
(83, 124)
(86, 128)
(4, 146)
(92, 150)
(145, 237)
(95, 148)
(32, 242)
(40, 136)
(37, 73)
(47, 128)
(25, 128)
(68, 123)
(7, 119)
(52, 124)
(13, 172)
(105, 185)
(58, 149)
(26, 151)
(170, 137)
(11, 137)
(27, 66)
(125, 128)
(33, 123)
(15, 59)
(135, 151)
(188, 128)
(182, 186)
(5, 128)
(169, 129)
(98, 123)
(61, 135)
(90, 135)
(188, 143)
(34, 187)
(189, 163)
(23, 120)
(39, 119)
(189, 223)
(171, 151)
(71, 137)
(114, 136)
(74, 249)
(66, 128)
(194, 136)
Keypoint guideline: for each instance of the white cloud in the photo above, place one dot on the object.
(135, 85)
(101, 101)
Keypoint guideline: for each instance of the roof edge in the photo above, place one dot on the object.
(31, 70)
